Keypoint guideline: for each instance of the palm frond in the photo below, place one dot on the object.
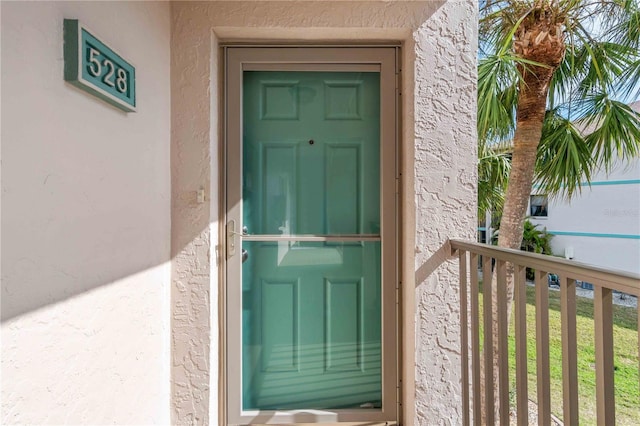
(494, 166)
(603, 63)
(631, 81)
(626, 29)
(568, 75)
(497, 96)
(602, 39)
(564, 159)
(613, 129)
(500, 19)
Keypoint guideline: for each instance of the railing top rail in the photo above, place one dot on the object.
(618, 280)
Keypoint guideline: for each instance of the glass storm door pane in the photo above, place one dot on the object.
(311, 308)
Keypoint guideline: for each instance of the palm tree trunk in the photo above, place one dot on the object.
(538, 39)
(531, 110)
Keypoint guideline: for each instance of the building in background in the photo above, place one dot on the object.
(600, 226)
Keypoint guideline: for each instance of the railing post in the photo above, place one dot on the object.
(487, 308)
(569, 350)
(503, 342)
(603, 319)
(464, 336)
(542, 349)
(522, 379)
(475, 340)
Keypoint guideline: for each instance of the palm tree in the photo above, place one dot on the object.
(535, 240)
(549, 69)
(546, 65)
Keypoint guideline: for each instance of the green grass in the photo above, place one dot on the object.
(625, 340)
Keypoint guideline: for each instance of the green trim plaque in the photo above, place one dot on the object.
(92, 66)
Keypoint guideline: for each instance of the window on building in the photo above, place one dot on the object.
(539, 205)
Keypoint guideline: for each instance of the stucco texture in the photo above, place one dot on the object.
(445, 200)
(194, 159)
(85, 222)
(438, 184)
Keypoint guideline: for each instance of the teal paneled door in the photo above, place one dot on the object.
(311, 271)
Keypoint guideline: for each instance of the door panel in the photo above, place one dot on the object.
(311, 152)
(311, 330)
(343, 188)
(311, 325)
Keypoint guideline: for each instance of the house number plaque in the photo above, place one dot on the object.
(92, 66)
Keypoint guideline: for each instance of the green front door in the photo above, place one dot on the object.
(311, 284)
(311, 287)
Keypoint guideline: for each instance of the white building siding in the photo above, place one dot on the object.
(85, 222)
(601, 226)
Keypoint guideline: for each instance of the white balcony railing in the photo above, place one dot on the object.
(604, 282)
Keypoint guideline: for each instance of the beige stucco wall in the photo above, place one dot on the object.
(445, 199)
(85, 223)
(194, 247)
(439, 179)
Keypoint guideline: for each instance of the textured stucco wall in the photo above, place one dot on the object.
(85, 223)
(445, 199)
(194, 159)
(439, 177)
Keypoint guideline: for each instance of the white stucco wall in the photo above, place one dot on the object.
(439, 179)
(85, 222)
(445, 199)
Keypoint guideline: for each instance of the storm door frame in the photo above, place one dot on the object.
(306, 58)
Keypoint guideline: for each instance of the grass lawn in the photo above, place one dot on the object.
(625, 340)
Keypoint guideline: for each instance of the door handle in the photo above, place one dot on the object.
(231, 238)
(245, 255)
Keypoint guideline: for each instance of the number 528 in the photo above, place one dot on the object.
(113, 77)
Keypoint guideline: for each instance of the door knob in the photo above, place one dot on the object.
(245, 255)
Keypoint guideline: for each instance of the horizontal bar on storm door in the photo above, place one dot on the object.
(320, 238)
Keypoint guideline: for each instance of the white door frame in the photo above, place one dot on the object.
(237, 60)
